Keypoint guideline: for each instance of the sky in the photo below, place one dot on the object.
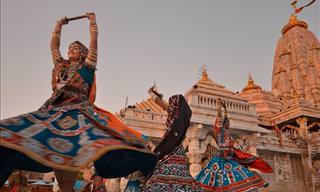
(142, 42)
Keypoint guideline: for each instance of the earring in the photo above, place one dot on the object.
(81, 59)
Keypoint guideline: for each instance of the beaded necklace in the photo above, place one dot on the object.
(68, 72)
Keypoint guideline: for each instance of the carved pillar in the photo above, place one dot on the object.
(306, 163)
(195, 163)
(195, 134)
(113, 185)
(123, 183)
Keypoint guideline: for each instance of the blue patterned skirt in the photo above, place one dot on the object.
(222, 174)
(70, 138)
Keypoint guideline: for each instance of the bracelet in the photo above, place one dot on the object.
(59, 23)
(56, 34)
(94, 28)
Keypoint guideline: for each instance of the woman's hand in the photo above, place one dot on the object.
(60, 23)
(91, 16)
(63, 21)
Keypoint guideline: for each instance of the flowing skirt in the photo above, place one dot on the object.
(70, 138)
(222, 174)
(172, 174)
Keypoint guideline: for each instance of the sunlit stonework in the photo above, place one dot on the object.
(281, 125)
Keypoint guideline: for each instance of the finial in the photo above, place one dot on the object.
(204, 74)
(294, 21)
(250, 80)
(251, 84)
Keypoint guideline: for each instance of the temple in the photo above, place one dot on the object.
(281, 125)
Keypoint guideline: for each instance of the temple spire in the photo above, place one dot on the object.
(297, 48)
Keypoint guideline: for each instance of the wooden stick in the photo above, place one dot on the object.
(76, 18)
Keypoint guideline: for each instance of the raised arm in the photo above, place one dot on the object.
(55, 40)
(92, 55)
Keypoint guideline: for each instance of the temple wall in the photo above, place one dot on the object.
(288, 175)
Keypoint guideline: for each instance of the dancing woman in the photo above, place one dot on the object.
(229, 170)
(69, 132)
(172, 171)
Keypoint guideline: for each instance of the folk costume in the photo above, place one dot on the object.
(69, 132)
(171, 172)
(229, 169)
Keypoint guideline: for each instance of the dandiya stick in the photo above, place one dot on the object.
(76, 18)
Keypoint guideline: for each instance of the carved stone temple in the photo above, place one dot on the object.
(281, 125)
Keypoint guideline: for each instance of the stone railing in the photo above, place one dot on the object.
(231, 106)
(146, 115)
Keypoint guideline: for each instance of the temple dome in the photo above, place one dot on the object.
(251, 85)
(206, 86)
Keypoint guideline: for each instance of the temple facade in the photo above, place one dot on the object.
(281, 125)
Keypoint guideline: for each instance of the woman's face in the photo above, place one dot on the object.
(74, 52)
